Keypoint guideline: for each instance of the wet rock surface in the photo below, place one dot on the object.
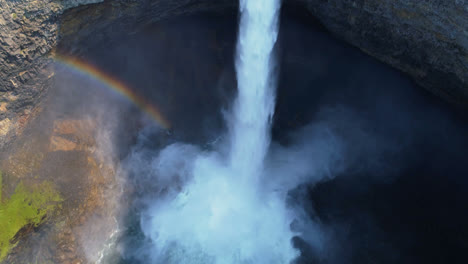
(62, 152)
(426, 39)
(65, 143)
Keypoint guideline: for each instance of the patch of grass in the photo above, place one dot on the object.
(26, 207)
(1, 184)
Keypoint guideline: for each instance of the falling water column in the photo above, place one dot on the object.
(254, 105)
(223, 214)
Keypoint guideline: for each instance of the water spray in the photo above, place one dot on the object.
(222, 213)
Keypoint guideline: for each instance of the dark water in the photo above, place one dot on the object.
(402, 198)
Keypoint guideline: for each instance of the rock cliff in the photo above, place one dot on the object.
(426, 39)
(28, 32)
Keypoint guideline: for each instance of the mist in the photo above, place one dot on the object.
(363, 164)
(232, 218)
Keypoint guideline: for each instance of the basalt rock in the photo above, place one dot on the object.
(426, 39)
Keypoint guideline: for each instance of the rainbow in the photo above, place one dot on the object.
(113, 83)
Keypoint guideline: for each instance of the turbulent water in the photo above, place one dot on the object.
(220, 212)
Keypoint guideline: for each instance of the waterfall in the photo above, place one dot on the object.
(223, 214)
(254, 106)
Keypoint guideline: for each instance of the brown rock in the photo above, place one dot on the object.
(58, 143)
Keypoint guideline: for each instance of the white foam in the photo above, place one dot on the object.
(220, 213)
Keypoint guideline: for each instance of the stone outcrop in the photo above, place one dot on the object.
(426, 39)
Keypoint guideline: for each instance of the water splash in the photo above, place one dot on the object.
(220, 212)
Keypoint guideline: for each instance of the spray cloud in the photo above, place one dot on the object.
(213, 207)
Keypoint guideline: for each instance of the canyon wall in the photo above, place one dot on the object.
(428, 40)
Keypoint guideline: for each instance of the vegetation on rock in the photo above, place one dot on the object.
(27, 207)
(1, 184)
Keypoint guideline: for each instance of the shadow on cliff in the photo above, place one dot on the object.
(401, 198)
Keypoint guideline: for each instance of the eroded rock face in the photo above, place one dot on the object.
(28, 32)
(426, 39)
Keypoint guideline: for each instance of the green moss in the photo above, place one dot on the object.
(27, 206)
(1, 184)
